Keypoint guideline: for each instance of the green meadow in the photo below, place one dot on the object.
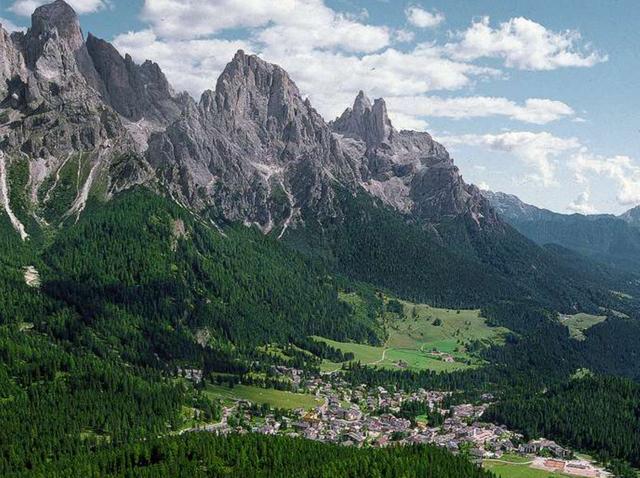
(275, 398)
(424, 338)
(579, 323)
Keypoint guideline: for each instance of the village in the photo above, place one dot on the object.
(377, 417)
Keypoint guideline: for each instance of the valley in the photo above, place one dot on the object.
(236, 285)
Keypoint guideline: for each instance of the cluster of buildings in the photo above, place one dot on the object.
(372, 416)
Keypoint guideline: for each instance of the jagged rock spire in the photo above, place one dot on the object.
(61, 17)
(367, 122)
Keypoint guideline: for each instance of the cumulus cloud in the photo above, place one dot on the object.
(26, 7)
(537, 150)
(332, 79)
(403, 36)
(623, 170)
(9, 26)
(582, 204)
(523, 44)
(196, 68)
(409, 122)
(533, 110)
(298, 24)
(422, 18)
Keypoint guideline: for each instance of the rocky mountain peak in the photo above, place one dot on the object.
(360, 105)
(366, 122)
(134, 91)
(61, 18)
(253, 90)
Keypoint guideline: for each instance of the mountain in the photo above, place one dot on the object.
(632, 216)
(148, 239)
(81, 123)
(602, 237)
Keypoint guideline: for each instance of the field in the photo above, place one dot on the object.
(275, 398)
(578, 323)
(424, 338)
(514, 470)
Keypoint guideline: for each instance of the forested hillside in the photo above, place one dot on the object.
(205, 455)
(456, 266)
(600, 415)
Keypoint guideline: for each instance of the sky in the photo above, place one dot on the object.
(537, 98)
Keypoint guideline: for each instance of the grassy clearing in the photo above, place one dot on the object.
(514, 470)
(578, 323)
(423, 338)
(275, 398)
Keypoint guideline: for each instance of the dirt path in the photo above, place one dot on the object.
(384, 354)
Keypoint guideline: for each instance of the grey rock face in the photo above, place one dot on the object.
(258, 152)
(632, 216)
(511, 208)
(57, 17)
(253, 150)
(58, 123)
(134, 91)
(11, 63)
(366, 122)
(408, 170)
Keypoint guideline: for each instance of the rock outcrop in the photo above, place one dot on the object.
(252, 150)
(406, 169)
(135, 91)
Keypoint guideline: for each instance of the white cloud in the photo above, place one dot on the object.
(296, 24)
(523, 44)
(582, 204)
(422, 18)
(195, 69)
(198, 18)
(623, 170)
(536, 150)
(330, 55)
(402, 121)
(534, 110)
(332, 79)
(403, 36)
(26, 7)
(9, 26)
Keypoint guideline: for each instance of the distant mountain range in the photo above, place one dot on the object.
(614, 240)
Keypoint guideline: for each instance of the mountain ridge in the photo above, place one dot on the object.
(607, 238)
(85, 123)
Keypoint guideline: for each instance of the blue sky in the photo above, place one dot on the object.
(538, 98)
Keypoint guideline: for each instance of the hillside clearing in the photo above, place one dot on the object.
(422, 337)
(579, 323)
(275, 398)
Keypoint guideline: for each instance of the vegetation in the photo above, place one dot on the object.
(578, 323)
(196, 455)
(596, 414)
(136, 291)
(420, 337)
(275, 398)
(375, 244)
(517, 470)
